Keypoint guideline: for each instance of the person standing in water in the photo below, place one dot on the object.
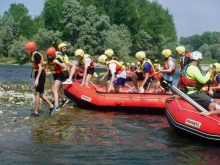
(39, 75)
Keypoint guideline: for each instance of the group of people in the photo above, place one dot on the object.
(191, 81)
(58, 64)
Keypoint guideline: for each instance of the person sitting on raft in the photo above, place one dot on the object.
(146, 74)
(84, 64)
(193, 80)
(214, 90)
(118, 73)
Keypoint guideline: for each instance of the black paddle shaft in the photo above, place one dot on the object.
(185, 97)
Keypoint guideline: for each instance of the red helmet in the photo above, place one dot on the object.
(188, 54)
(30, 46)
(51, 51)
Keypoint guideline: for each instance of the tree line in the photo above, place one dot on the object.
(126, 26)
(208, 44)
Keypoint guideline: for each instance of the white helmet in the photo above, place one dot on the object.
(196, 55)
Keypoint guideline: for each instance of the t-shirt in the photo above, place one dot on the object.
(112, 68)
(167, 76)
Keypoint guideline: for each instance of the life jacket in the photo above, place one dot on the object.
(165, 66)
(62, 57)
(119, 66)
(54, 68)
(35, 66)
(151, 72)
(189, 82)
(82, 64)
(133, 68)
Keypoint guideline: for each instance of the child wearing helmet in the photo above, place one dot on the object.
(118, 73)
(55, 65)
(39, 75)
(146, 74)
(85, 65)
(62, 54)
(181, 52)
(110, 56)
(168, 70)
(214, 91)
(133, 68)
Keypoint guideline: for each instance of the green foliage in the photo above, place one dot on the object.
(83, 26)
(139, 15)
(8, 33)
(24, 21)
(53, 14)
(17, 50)
(207, 44)
(117, 38)
(45, 38)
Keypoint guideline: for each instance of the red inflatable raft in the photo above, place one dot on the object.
(184, 118)
(97, 97)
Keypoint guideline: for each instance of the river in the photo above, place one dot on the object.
(86, 137)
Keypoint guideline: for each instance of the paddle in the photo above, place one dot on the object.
(102, 74)
(185, 97)
(95, 86)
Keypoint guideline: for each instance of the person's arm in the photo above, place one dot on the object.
(111, 81)
(216, 112)
(196, 73)
(60, 62)
(112, 68)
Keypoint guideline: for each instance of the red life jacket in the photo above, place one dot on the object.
(165, 66)
(190, 82)
(82, 64)
(55, 68)
(133, 68)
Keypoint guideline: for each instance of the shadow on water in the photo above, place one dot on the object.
(78, 136)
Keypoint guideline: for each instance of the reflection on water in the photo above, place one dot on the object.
(77, 136)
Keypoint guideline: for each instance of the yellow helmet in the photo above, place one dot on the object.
(166, 53)
(132, 63)
(138, 63)
(140, 55)
(102, 58)
(128, 63)
(216, 64)
(61, 45)
(217, 68)
(79, 52)
(122, 62)
(180, 49)
(109, 52)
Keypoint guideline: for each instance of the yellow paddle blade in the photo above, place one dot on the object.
(102, 74)
(95, 74)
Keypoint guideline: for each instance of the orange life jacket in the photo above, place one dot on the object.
(165, 66)
(35, 66)
(119, 66)
(190, 82)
